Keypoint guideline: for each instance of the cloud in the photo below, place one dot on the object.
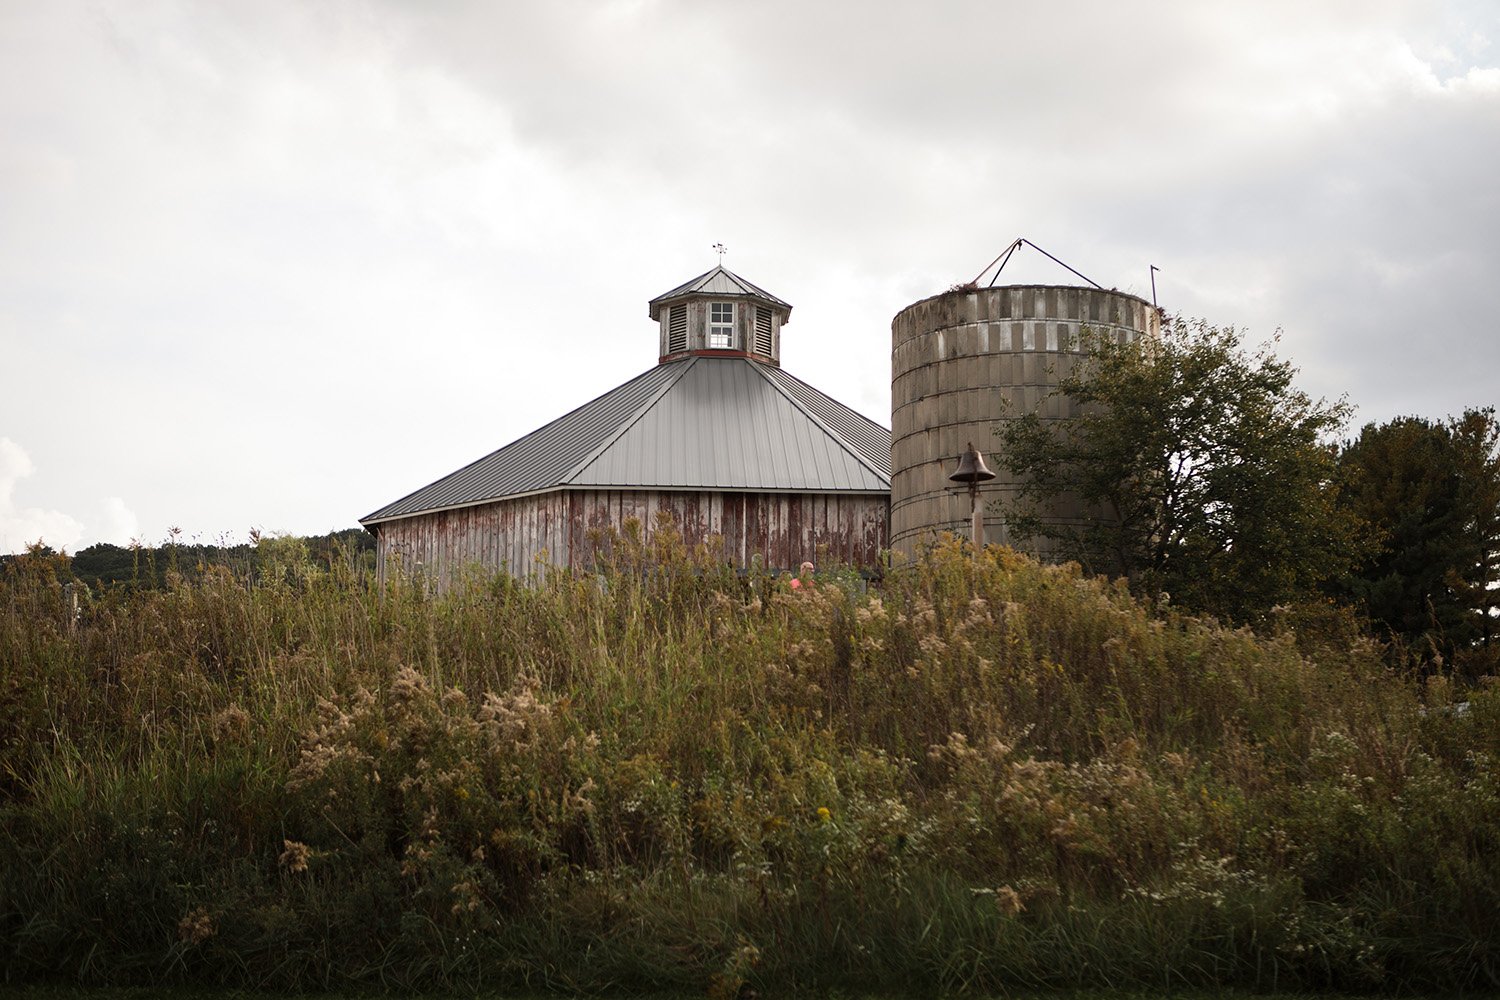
(119, 524)
(364, 243)
(21, 526)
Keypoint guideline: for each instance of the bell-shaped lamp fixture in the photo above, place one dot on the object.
(971, 472)
(971, 468)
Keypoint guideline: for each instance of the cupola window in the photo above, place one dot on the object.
(721, 325)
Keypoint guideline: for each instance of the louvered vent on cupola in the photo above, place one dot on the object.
(763, 331)
(677, 329)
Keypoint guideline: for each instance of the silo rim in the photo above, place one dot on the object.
(994, 288)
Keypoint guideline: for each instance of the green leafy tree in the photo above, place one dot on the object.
(103, 564)
(1201, 468)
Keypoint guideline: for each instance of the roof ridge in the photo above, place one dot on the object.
(818, 421)
(782, 372)
(625, 425)
(749, 287)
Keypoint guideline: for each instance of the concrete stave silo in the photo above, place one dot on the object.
(961, 362)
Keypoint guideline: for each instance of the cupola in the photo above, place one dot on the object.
(719, 313)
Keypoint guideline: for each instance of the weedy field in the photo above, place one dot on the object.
(980, 774)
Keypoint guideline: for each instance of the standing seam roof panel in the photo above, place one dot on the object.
(723, 426)
(700, 423)
(539, 460)
(869, 439)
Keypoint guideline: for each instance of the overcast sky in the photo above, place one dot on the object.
(275, 265)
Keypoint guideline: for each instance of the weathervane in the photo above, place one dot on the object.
(721, 250)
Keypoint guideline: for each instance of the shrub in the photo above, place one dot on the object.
(982, 774)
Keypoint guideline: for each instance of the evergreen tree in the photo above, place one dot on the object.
(1431, 493)
(1402, 479)
(1476, 440)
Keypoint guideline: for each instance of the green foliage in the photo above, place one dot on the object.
(984, 775)
(1431, 493)
(1202, 467)
(103, 564)
(1476, 436)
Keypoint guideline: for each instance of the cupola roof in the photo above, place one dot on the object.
(720, 283)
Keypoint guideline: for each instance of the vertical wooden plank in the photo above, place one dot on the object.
(524, 537)
(763, 517)
(775, 558)
(672, 504)
(516, 541)
(798, 551)
(743, 512)
(492, 550)
(693, 519)
(715, 526)
(733, 528)
(561, 530)
(575, 528)
(442, 558)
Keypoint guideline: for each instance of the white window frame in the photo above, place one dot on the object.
(719, 328)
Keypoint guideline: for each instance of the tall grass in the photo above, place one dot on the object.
(980, 774)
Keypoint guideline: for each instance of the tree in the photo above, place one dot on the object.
(1431, 492)
(1203, 470)
(1402, 479)
(1476, 436)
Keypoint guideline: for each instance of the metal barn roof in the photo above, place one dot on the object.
(702, 423)
(719, 281)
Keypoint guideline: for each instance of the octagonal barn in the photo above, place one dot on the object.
(737, 451)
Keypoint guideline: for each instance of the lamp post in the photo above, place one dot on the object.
(971, 472)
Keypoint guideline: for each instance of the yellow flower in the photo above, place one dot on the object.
(295, 857)
(823, 814)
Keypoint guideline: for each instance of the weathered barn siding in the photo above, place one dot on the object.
(568, 528)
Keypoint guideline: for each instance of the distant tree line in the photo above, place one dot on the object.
(152, 567)
(1216, 484)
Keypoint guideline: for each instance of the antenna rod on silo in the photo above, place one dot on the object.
(1005, 256)
(1154, 269)
(1003, 253)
